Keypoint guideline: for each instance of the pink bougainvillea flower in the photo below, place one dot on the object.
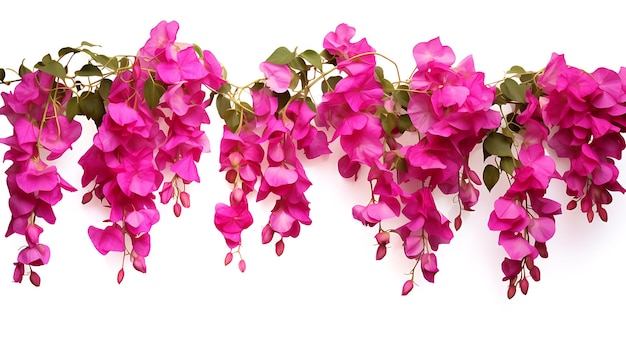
(508, 216)
(278, 77)
(516, 246)
(108, 239)
(429, 266)
(186, 67)
(36, 255)
(433, 53)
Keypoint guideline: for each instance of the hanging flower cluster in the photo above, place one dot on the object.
(412, 138)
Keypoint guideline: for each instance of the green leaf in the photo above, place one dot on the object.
(404, 123)
(298, 63)
(67, 50)
(516, 70)
(388, 122)
(313, 58)
(89, 70)
(52, 67)
(22, 71)
(92, 106)
(2, 74)
(124, 62)
(73, 108)
(401, 164)
(401, 97)
(380, 74)
(491, 175)
(198, 50)
(330, 83)
(46, 59)
(281, 56)
(310, 104)
(105, 89)
(514, 91)
(507, 164)
(231, 117)
(387, 86)
(225, 88)
(86, 43)
(222, 104)
(498, 145)
(153, 90)
(283, 99)
(108, 62)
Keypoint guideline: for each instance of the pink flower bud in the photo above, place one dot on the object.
(177, 209)
(185, 199)
(523, 285)
(381, 252)
(34, 278)
(237, 195)
(231, 176)
(18, 273)
(120, 276)
(571, 205)
(407, 287)
(87, 197)
(242, 266)
(542, 249)
(458, 221)
(535, 273)
(382, 238)
(228, 259)
(511, 292)
(280, 247)
(267, 234)
(235, 159)
(602, 213)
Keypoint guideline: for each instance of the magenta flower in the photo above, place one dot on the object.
(508, 216)
(278, 77)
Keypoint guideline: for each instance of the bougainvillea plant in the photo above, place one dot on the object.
(410, 137)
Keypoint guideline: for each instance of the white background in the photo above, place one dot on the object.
(326, 292)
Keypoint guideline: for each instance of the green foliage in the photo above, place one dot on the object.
(88, 70)
(491, 175)
(153, 90)
(92, 106)
(497, 144)
(281, 56)
(313, 58)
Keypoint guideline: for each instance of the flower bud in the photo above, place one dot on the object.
(458, 221)
(542, 249)
(87, 197)
(382, 238)
(242, 266)
(535, 273)
(602, 213)
(381, 252)
(235, 159)
(34, 278)
(267, 234)
(511, 291)
(185, 199)
(120, 276)
(280, 247)
(177, 209)
(228, 259)
(18, 273)
(523, 285)
(572, 205)
(407, 287)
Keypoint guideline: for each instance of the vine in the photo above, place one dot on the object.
(411, 137)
